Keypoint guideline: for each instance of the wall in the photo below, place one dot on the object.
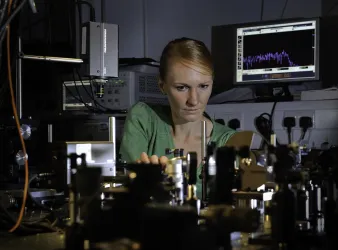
(147, 25)
(323, 113)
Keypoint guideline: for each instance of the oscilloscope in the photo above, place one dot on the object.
(277, 52)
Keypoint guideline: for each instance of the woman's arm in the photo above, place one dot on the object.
(135, 138)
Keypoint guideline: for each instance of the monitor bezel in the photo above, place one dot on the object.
(279, 81)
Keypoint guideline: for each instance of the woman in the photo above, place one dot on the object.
(186, 77)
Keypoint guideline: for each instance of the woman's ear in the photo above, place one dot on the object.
(161, 86)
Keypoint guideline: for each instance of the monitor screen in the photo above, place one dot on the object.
(285, 51)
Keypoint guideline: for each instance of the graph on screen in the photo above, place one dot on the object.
(276, 52)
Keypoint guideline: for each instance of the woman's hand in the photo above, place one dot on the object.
(154, 159)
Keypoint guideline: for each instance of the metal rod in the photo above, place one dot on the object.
(112, 138)
(51, 59)
(273, 140)
(103, 11)
(204, 140)
(204, 163)
(50, 133)
(19, 80)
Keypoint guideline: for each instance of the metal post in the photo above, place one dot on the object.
(103, 11)
(19, 80)
(204, 163)
(112, 138)
(204, 140)
(50, 133)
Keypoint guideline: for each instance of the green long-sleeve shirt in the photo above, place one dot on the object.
(147, 129)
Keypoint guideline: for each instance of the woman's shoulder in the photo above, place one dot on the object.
(147, 111)
(140, 108)
(221, 133)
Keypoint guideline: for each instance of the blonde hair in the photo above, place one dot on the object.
(190, 52)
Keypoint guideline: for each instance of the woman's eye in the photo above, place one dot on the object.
(181, 88)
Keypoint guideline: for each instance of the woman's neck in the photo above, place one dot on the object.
(189, 129)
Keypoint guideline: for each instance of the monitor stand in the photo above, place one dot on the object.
(273, 93)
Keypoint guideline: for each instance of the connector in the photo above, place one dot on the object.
(305, 122)
(289, 123)
(220, 121)
(234, 124)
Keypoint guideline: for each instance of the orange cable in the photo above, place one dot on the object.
(25, 190)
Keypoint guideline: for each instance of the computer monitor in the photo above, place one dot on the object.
(283, 51)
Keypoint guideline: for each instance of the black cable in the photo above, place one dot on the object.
(7, 220)
(331, 9)
(289, 123)
(70, 30)
(284, 8)
(3, 10)
(9, 20)
(74, 79)
(262, 9)
(14, 4)
(96, 102)
(79, 9)
(264, 123)
(49, 28)
(3, 74)
(91, 95)
(80, 97)
(75, 97)
(38, 204)
(289, 136)
(305, 122)
(91, 9)
(271, 116)
(3, 14)
(84, 87)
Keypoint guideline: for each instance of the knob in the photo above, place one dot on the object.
(25, 131)
(20, 158)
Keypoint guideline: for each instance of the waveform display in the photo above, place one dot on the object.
(279, 58)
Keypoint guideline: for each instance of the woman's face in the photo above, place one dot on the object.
(188, 92)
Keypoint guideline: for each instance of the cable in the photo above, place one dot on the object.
(25, 190)
(37, 177)
(76, 98)
(284, 8)
(271, 116)
(263, 138)
(264, 123)
(91, 96)
(10, 18)
(289, 123)
(331, 9)
(3, 10)
(91, 9)
(79, 94)
(262, 9)
(305, 122)
(40, 225)
(14, 4)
